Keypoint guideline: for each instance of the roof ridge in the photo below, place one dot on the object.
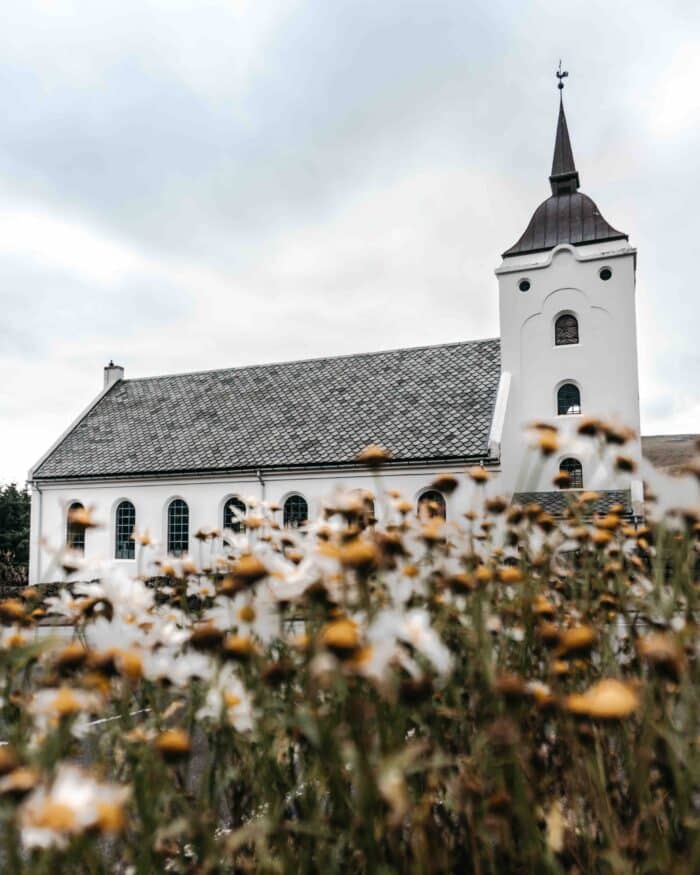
(322, 358)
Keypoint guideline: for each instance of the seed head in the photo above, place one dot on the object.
(445, 483)
(373, 456)
(578, 639)
(478, 474)
(173, 745)
(609, 699)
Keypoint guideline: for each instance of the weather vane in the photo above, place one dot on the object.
(561, 75)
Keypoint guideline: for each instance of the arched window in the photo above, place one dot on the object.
(566, 330)
(568, 399)
(296, 511)
(234, 509)
(431, 504)
(75, 530)
(178, 527)
(573, 468)
(124, 524)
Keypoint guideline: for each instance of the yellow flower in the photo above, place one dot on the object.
(173, 744)
(575, 640)
(609, 699)
(358, 554)
(341, 636)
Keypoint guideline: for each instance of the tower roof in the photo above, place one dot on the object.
(564, 178)
(568, 216)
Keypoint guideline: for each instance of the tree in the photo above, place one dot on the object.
(14, 524)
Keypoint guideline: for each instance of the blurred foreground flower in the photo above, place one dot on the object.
(609, 699)
(71, 804)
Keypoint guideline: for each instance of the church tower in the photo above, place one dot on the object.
(568, 336)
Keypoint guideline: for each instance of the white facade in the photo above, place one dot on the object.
(205, 497)
(602, 365)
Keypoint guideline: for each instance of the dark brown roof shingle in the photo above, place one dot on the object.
(421, 403)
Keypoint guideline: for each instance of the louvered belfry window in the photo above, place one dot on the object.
(568, 400)
(233, 510)
(432, 504)
(566, 330)
(124, 524)
(296, 511)
(178, 527)
(573, 468)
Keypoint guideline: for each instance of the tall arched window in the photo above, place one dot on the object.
(431, 504)
(566, 330)
(75, 530)
(296, 511)
(568, 399)
(178, 527)
(124, 524)
(234, 509)
(574, 470)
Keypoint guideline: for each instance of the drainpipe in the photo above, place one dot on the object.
(262, 484)
(34, 575)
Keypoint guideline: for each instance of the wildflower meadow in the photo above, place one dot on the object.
(502, 692)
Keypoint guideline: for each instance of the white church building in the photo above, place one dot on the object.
(175, 453)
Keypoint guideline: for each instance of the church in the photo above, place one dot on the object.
(175, 453)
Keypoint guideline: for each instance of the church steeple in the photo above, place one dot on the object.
(564, 178)
(568, 215)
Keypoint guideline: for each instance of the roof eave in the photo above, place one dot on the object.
(348, 465)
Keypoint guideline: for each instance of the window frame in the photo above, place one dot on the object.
(429, 494)
(168, 538)
(568, 412)
(295, 524)
(237, 527)
(564, 314)
(75, 535)
(130, 541)
(572, 485)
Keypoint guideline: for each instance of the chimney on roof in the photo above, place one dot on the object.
(113, 373)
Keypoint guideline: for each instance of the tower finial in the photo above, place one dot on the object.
(564, 178)
(561, 75)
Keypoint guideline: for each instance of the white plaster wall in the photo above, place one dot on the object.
(603, 364)
(205, 498)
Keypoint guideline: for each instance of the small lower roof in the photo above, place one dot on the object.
(423, 403)
(556, 502)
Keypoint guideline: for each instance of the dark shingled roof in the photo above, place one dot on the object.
(557, 502)
(568, 216)
(422, 403)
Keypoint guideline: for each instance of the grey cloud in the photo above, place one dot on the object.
(228, 156)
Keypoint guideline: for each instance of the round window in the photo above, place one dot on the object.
(605, 273)
(524, 285)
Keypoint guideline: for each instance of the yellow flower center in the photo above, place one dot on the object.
(56, 816)
(247, 614)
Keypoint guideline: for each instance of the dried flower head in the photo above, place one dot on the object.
(478, 474)
(578, 639)
(373, 456)
(445, 483)
(341, 636)
(664, 652)
(608, 699)
(173, 744)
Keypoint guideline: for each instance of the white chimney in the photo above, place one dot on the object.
(113, 373)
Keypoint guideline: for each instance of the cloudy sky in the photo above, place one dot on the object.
(190, 185)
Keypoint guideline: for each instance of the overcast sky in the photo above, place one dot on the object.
(191, 185)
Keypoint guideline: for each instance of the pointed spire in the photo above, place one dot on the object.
(564, 178)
